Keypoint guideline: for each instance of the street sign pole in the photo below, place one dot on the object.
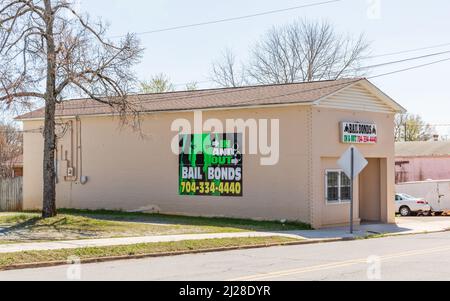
(352, 163)
(351, 187)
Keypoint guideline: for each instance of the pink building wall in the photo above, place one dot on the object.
(411, 169)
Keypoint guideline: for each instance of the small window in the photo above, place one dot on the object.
(337, 187)
(333, 187)
(345, 187)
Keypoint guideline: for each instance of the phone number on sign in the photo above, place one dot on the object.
(211, 187)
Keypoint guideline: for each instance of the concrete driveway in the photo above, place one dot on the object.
(427, 223)
(409, 225)
(403, 225)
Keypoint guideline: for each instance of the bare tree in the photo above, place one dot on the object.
(159, 83)
(226, 72)
(306, 51)
(409, 127)
(49, 51)
(399, 127)
(191, 86)
(10, 148)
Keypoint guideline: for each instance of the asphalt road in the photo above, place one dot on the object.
(416, 257)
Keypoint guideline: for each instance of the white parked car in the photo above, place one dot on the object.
(407, 205)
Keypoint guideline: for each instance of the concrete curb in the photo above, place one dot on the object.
(150, 255)
(406, 234)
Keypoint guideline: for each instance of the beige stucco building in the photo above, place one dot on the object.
(102, 165)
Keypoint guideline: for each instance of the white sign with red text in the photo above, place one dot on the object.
(358, 132)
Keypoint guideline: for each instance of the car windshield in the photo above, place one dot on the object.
(406, 196)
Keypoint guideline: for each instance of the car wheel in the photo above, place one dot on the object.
(405, 211)
(426, 213)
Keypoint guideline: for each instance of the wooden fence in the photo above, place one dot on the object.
(11, 194)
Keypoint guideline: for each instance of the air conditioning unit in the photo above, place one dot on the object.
(70, 172)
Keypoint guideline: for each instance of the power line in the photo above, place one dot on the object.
(367, 67)
(232, 18)
(410, 68)
(404, 60)
(370, 57)
(214, 92)
(408, 51)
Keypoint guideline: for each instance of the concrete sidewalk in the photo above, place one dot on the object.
(403, 226)
(82, 243)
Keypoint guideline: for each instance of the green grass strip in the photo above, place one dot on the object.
(29, 257)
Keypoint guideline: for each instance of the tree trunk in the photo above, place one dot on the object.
(49, 197)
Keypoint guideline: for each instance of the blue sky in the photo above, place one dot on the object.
(186, 54)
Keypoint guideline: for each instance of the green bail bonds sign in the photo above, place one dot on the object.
(210, 165)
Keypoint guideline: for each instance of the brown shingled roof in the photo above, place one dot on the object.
(208, 99)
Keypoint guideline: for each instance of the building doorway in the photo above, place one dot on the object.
(370, 192)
